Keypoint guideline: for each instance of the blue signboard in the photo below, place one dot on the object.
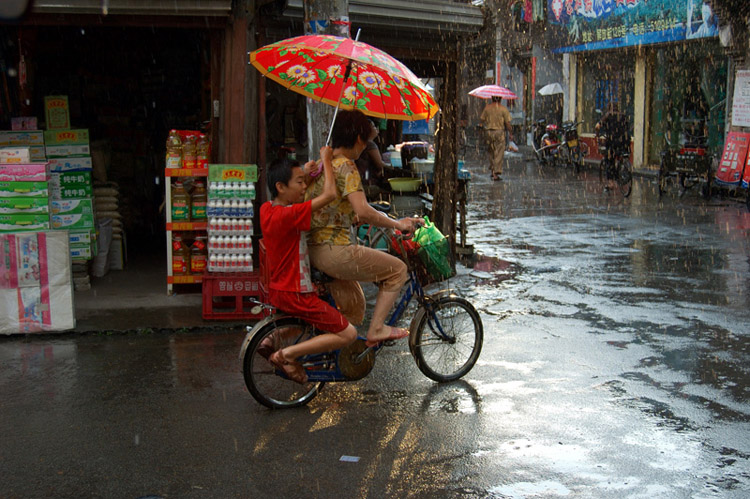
(578, 25)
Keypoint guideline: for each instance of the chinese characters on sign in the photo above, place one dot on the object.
(741, 101)
(576, 25)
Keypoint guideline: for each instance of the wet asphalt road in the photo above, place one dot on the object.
(615, 364)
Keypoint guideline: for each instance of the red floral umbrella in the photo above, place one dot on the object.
(346, 73)
(489, 91)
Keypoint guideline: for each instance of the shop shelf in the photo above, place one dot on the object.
(184, 279)
(186, 172)
(187, 225)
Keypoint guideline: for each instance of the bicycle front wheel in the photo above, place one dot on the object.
(264, 381)
(447, 339)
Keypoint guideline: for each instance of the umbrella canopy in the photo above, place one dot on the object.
(551, 89)
(346, 73)
(489, 91)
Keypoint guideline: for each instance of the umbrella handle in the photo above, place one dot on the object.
(338, 103)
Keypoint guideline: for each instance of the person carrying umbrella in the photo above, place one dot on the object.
(496, 121)
(329, 242)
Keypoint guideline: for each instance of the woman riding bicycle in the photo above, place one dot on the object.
(329, 242)
(614, 127)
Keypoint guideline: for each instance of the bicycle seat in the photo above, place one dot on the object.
(382, 206)
(320, 276)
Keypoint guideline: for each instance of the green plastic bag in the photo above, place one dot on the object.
(434, 251)
(428, 233)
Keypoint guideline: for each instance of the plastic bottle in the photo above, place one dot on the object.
(202, 148)
(198, 201)
(180, 203)
(212, 263)
(180, 256)
(188, 152)
(174, 150)
(198, 255)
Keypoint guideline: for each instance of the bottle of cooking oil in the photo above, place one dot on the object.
(201, 151)
(174, 150)
(180, 256)
(189, 152)
(198, 255)
(180, 203)
(198, 201)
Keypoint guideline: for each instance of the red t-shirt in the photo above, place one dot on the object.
(284, 234)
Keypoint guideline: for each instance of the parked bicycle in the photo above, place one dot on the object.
(446, 336)
(571, 150)
(615, 167)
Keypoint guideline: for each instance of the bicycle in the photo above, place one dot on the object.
(615, 166)
(571, 150)
(446, 336)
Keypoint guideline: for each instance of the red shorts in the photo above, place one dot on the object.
(310, 308)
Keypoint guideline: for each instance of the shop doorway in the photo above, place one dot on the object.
(689, 90)
(129, 86)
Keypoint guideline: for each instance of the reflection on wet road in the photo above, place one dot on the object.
(615, 364)
(638, 314)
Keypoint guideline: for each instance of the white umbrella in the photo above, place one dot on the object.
(551, 89)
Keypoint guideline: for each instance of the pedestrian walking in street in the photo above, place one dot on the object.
(496, 121)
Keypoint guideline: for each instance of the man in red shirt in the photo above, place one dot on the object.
(284, 221)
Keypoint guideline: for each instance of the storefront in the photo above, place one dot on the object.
(660, 61)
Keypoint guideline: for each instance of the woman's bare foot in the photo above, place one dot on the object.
(387, 333)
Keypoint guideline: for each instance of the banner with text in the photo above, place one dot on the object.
(579, 25)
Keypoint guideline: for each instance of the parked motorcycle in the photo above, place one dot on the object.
(546, 142)
(572, 151)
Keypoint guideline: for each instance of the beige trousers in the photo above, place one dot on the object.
(496, 146)
(349, 264)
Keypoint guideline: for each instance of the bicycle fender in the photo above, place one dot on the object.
(252, 332)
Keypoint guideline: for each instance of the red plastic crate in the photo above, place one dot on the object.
(227, 295)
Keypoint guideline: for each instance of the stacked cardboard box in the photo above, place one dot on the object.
(71, 188)
(22, 146)
(35, 283)
(24, 197)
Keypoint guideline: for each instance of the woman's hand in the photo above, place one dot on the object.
(326, 153)
(410, 224)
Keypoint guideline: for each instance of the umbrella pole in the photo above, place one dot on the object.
(338, 103)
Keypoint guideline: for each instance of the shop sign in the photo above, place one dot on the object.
(741, 99)
(581, 25)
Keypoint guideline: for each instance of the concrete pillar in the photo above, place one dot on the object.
(570, 70)
(639, 110)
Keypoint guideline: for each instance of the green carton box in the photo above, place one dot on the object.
(72, 207)
(66, 137)
(232, 173)
(12, 223)
(24, 205)
(70, 185)
(26, 189)
(72, 221)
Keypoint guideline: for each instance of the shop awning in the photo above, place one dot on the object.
(211, 8)
(434, 16)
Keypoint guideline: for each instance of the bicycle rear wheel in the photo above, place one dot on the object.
(264, 381)
(447, 340)
(624, 177)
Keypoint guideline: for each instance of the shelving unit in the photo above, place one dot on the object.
(181, 226)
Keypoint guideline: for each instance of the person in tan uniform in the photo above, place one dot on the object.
(496, 121)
